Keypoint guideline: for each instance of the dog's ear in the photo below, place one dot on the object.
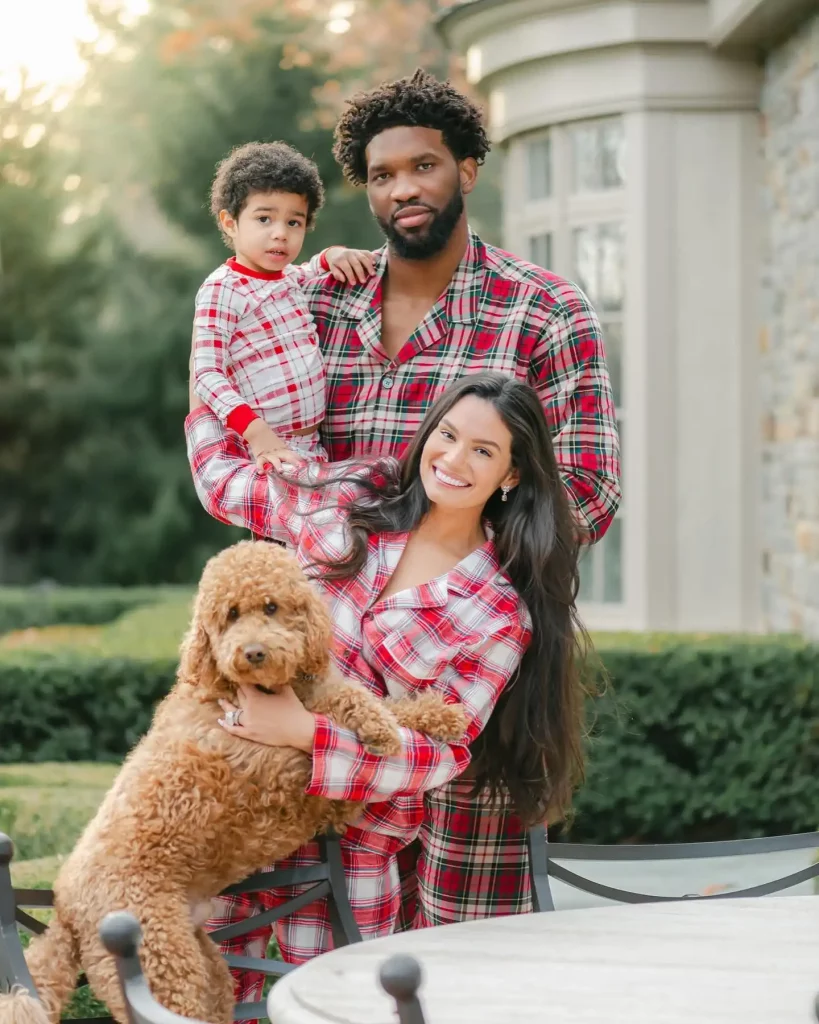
(318, 632)
(197, 665)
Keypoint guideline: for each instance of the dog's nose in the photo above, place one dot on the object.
(255, 654)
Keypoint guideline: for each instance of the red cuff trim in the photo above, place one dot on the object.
(325, 263)
(241, 418)
(322, 741)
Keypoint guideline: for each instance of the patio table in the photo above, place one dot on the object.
(720, 961)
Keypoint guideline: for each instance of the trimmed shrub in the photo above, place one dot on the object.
(697, 737)
(31, 607)
(703, 738)
(75, 707)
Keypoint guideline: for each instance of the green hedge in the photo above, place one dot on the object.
(27, 607)
(711, 738)
(71, 707)
(697, 737)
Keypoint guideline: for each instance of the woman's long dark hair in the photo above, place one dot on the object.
(532, 744)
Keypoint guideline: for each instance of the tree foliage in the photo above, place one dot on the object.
(105, 236)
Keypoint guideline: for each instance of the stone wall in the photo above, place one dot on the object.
(790, 334)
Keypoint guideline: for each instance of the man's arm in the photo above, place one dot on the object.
(572, 379)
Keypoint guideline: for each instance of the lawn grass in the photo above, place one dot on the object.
(45, 807)
(151, 632)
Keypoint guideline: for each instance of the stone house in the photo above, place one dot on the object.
(665, 155)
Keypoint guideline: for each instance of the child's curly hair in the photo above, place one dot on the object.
(265, 167)
(419, 100)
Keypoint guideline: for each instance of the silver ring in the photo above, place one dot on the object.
(232, 717)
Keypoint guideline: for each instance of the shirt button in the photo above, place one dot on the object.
(387, 382)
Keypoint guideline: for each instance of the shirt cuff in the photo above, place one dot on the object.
(240, 418)
(339, 763)
(323, 261)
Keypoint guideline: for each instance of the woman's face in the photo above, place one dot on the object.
(468, 456)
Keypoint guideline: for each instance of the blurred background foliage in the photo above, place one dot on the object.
(105, 236)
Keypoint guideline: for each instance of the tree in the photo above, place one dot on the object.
(106, 235)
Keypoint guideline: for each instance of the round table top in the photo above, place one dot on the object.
(725, 961)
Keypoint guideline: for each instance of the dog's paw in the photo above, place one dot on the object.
(448, 723)
(430, 714)
(382, 740)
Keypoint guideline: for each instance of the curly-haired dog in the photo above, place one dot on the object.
(195, 809)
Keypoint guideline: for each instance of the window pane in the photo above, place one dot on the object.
(585, 157)
(599, 264)
(540, 250)
(611, 547)
(612, 258)
(586, 591)
(613, 345)
(598, 154)
(586, 260)
(612, 153)
(601, 576)
(539, 168)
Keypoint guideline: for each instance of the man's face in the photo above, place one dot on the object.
(416, 189)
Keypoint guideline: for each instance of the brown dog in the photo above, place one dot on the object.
(194, 809)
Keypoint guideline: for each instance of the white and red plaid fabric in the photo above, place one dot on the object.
(463, 634)
(256, 353)
(498, 313)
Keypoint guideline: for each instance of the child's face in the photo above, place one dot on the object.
(269, 232)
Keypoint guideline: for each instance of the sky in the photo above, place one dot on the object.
(40, 36)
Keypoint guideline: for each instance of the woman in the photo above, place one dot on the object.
(456, 568)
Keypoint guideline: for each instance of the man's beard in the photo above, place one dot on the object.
(433, 240)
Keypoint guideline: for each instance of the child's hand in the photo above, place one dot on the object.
(352, 266)
(268, 449)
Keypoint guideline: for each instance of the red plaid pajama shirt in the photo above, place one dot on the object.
(504, 314)
(463, 633)
(499, 313)
(256, 353)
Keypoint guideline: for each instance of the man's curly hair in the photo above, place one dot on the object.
(265, 167)
(420, 100)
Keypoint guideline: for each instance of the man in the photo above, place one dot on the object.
(442, 304)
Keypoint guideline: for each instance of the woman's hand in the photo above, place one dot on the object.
(275, 719)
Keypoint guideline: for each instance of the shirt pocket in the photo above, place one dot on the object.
(405, 650)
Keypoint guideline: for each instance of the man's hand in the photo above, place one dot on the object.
(268, 449)
(352, 266)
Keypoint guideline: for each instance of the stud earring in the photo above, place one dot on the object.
(505, 493)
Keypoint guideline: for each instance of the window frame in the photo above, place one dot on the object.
(558, 215)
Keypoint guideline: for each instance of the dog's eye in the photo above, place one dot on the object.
(270, 608)
(233, 614)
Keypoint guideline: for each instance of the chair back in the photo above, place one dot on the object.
(121, 935)
(325, 879)
(545, 858)
(400, 977)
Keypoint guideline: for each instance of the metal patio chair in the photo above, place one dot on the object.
(545, 862)
(324, 879)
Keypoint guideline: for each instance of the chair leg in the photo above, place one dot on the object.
(13, 967)
(342, 920)
(537, 843)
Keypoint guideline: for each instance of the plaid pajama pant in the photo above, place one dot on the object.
(470, 860)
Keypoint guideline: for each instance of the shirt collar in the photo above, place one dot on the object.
(463, 298)
(262, 275)
(467, 578)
